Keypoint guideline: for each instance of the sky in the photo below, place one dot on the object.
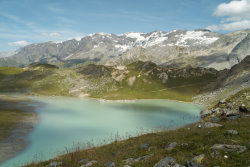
(23, 22)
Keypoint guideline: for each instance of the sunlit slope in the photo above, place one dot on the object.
(136, 80)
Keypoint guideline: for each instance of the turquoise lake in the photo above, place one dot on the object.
(66, 122)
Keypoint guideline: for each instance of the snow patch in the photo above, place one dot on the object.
(198, 36)
(136, 35)
(123, 48)
(57, 42)
(98, 45)
(155, 38)
(104, 34)
(78, 38)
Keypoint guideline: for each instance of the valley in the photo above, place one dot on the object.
(154, 67)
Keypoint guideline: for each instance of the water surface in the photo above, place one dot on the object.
(68, 121)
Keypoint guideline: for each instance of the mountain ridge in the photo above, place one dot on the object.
(199, 48)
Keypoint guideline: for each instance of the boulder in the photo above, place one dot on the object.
(144, 157)
(216, 110)
(244, 109)
(233, 117)
(230, 112)
(54, 164)
(170, 146)
(222, 101)
(232, 132)
(229, 148)
(167, 162)
(144, 146)
(209, 125)
(214, 119)
(130, 161)
(184, 144)
(89, 163)
(205, 113)
(164, 77)
(110, 164)
(198, 158)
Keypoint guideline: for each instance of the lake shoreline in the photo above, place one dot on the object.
(14, 147)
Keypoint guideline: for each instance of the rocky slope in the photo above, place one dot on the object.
(133, 81)
(228, 83)
(179, 48)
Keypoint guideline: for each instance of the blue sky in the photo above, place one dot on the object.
(32, 21)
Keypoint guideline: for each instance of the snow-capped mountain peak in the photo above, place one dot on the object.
(197, 37)
(136, 35)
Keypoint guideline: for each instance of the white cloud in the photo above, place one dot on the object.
(235, 16)
(236, 25)
(18, 43)
(233, 8)
(54, 34)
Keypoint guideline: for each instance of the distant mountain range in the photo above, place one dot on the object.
(7, 54)
(178, 48)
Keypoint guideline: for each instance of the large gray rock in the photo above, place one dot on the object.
(54, 164)
(130, 161)
(229, 148)
(170, 146)
(198, 159)
(214, 119)
(209, 125)
(110, 164)
(89, 163)
(230, 112)
(244, 109)
(205, 113)
(216, 110)
(144, 146)
(233, 117)
(232, 132)
(167, 162)
(222, 101)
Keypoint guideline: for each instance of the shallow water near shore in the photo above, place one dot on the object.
(68, 121)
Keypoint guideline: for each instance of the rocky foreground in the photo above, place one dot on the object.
(221, 138)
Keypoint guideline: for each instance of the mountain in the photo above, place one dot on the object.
(7, 54)
(179, 48)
